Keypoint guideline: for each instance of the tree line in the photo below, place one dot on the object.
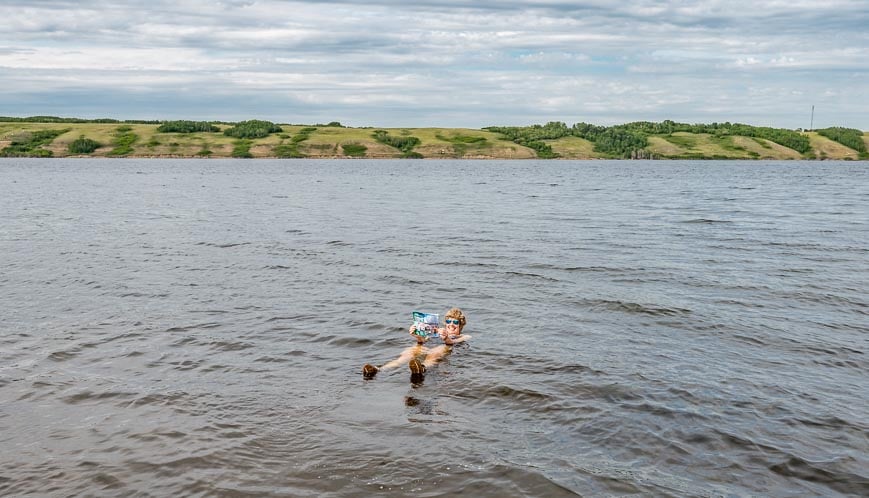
(628, 139)
(56, 119)
(849, 137)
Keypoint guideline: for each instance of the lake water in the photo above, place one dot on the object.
(197, 328)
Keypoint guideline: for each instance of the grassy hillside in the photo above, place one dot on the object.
(144, 140)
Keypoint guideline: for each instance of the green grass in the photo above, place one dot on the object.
(290, 150)
(123, 141)
(142, 139)
(28, 144)
(241, 149)
(763, 143)
(684, 141)
(354, 150)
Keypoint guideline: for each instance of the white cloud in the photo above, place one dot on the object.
(386, 62)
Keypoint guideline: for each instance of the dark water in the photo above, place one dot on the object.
(197, 328)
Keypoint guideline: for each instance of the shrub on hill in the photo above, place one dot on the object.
(241, 149)
(849, 137)
(626, 139)
(404, 144)
(354, 150)
(83, 145)
(124, 140)
(291, 150)
(253, 129)
(532, 136)
(27, 144)
(184, 126)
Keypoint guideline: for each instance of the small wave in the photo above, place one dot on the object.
(466, 264)
(628, 307)
(62, 355)
(516, 394)
(839, 480)
(302, 317)
(531, 275)
(224, 245)
(90, 396)
(186, 364)
(185, 328)
(270, 359)
(230, 346)
(351, 341)
(704, 221)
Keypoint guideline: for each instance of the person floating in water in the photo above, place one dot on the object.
(450, 334)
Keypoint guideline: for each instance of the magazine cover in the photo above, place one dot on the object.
(426, 323)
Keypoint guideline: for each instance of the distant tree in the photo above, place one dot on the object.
(185, 126)
(849, 137)
(253, 129)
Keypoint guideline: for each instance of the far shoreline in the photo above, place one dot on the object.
(75, 138)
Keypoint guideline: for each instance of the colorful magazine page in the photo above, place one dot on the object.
(426, 323)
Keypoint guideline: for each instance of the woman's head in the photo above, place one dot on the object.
(456, 314)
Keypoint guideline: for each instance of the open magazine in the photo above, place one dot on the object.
(426, 323)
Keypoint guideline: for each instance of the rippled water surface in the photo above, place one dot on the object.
(185, 328)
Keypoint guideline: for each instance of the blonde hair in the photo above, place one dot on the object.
(457, 314)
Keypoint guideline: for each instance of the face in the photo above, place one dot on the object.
(453, 325)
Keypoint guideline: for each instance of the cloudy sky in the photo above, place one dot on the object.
(439, 62)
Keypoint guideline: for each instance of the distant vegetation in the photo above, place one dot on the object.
(404, 144)
(848, 137)
(533, 136)
(641, 139)
(83, 145)
(252, 129)
(461, 143)
(241, 149)
(55, 119)
(291, 150)
(627, 139)
(28, 144)
(185, 126)
(354, 150)
(124, 140)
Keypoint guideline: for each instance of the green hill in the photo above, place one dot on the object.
(48, 136)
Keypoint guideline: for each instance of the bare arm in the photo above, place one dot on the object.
(450, 340)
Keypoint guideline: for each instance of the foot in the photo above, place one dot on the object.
(369, 371)
(416, 367)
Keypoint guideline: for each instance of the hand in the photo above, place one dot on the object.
(419, 338)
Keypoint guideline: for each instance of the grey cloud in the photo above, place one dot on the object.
(468, 62)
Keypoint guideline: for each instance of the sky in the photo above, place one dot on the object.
(442, 63)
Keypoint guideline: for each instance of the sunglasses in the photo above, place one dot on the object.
(449, 321)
